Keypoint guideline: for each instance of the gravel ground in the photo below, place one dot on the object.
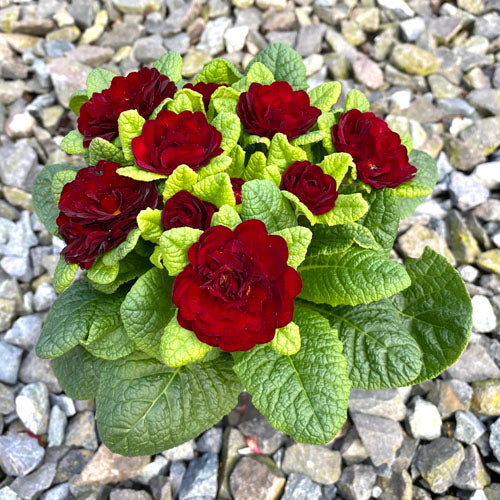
(433, 70)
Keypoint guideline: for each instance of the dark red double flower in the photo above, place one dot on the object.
(99, 209)
(175, 139)
(237, 288)
(184, 209)
(266, 110)
(315, 189)
(142, 90)
(205, 89)
(381, 160)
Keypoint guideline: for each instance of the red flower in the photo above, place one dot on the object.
(175, 139)
(266, 110)
(205, 89)
(381, 160)
(237, 288)
(99, 209)
(185, 209)
(142, 90)
(315, 189)
(237, 184)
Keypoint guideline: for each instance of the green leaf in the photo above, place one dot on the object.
(229, 125)
(225, 99)
(258, 73)
(218, 71)
(145, 407)
(43, 200)
(407, 142)
(309, 138)
(139, 174)
(284, 63)
(78, 373)
(163, 105)
(147, 309)
(324, 96)
(337, 165)
(426, 174)
(175, 244)
(98, 80)
(358, 276)
(123, 249)
(325, 123)
(180, 346)
(217, 165)
(100, 149)
(73, 143)
(226, 216)
(130, 125)
(297, 239)
(149, 222)
(382, 218)
(282, 153)
(59, 180)
(255, 167)
(412, 189)
(357, 100)
(248, 140)
(101, 273)
(271, 173)
(437, 311)
(304, 395)
(237, 166)
(216, 189)
(77, 100)
(262, 200)
(380, 352)
(287, 340)
(64, 274)
(79, 313)
(183, 177)
(186, 100)
(170, 64)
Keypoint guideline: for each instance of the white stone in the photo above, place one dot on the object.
(235, 38)
(399, 7)
(424, 420)
(488, 174)
(483, 316)
(32, 407)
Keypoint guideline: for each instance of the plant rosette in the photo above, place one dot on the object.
(233, 233)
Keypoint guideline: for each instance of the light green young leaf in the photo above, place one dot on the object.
(139, 174)
(304, 395)
(149, 222)
(59, 180)
(123, 249)
(407, 142)
(412, 189)
(226, 216)
(225, 99)
(437, 311)
(181, 178)
(140, 395)
(357, 100)
(218, 71)
(248, 140)
(217, 165)
(174, 245)
(337, 165)
(64, 274)
(262, 200)
(170, 64)
(216, 189)
(324, 96)
(100, 149)
(271, 173)
(358, 276)
(99, 80)
(163, 105)
(186, 100)
(156, 258)
(256, 165)
(282, 153)
(77, 100)
(258, 73)
(325, 123)
(237, 166)
(73, 143)
(130, 125)
(101, 273)
(297, 239)
(180, 346)
(147, 309)
(287, 340)
(229, 125)
(309, 138)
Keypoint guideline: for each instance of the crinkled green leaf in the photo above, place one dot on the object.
(98, 80)
(283, 154)
(149, 222)
(297, 239)
(101, 273)
(144, 407)
(226, 216)
(180, 346)
(72, 143)
(163, 105)
(380, 351)
(101, 149)
(218, 71)
(237, 166)
(412, 189)
(156, 258)
(186, 100)
(123, 249)
(114, 344)
(78, 373)
(285, 64)
(258, 73)
(407, 142)
(287, 340)
(130, 125)
(77, 100)
(59, 180)
(224, 99)
(183, 177)
(337, 165)
(216, 189)
(324, 96)
(170, 64)
(175, 244)
(309, 138)
(78, 313)
(255, 139)
(358, 276)
(64, 274)
(147, 309)
(271, 173)
(229, 125)
(357, 100)
(218, 164)
(325, 124)
(304, 395)
(262, 200)
(140, 175)
(437, 311)
(256, 165)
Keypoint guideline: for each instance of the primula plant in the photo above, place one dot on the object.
(235, 234)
